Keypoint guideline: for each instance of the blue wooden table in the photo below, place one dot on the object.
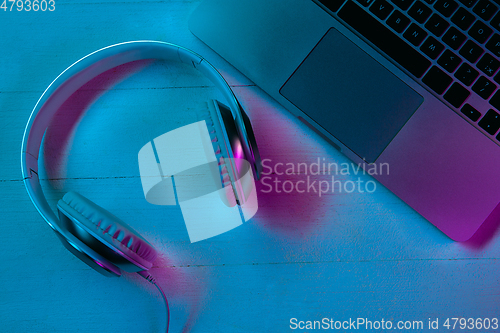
(339, 258)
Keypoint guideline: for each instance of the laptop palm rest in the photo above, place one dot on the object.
(351, 96)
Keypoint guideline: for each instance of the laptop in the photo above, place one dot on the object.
(411, 83)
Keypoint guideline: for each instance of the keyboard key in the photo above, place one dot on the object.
(454, 38)
(470, 112)
(403, 4)
(446, 7)
(333, 5)
(485, 9)
(471, 51)
(495, 23)
(432, 47)
(480, 32)
(466, 74)
(468, 3)
(437, 25)
(494, 45)
(385, 39)
(488, 64)
(456, 95)
(419, 12)
(495, 100)
(490, 122)
(437, 80)
(415, 35)
(484, 87)
(381, 9)
(497, 78)
(430, 2)
(463, 19)
(449, 61)
(398, 21)
(365, 3)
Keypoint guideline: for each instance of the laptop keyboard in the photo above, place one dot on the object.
(453, 47)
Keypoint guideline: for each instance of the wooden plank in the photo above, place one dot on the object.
(340, 255)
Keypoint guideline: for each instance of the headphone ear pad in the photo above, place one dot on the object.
(219, 145)
(105, 233)
(233, 163)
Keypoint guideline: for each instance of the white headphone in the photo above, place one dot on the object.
(93, 234)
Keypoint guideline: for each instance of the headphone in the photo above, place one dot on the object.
(90, 232)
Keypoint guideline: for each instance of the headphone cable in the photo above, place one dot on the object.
(151, 280)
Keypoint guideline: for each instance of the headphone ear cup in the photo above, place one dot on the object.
(104, 233)
(223, 151)
(228, 143)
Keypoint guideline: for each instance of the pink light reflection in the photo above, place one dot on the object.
(59, 134)
(276, 132)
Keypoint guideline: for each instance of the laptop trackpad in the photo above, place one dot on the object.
(351, 95)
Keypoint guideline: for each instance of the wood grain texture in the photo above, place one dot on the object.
(341, 255)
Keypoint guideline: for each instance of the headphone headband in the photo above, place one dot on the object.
(90, 66)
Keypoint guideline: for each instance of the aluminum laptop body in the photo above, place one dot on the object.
(374, 109)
